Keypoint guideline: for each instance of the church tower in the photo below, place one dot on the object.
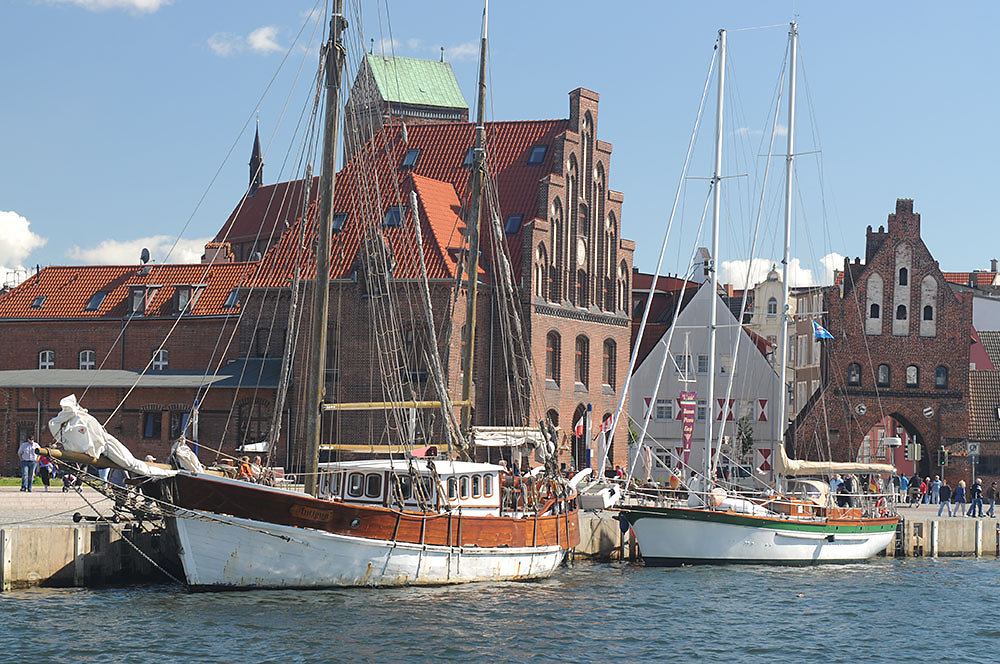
(256, 165)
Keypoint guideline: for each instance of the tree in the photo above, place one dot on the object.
(744, 436)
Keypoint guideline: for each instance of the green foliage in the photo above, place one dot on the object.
(744, 436)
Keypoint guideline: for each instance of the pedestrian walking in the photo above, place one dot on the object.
(958, 498)
(976, 498)
(925, 487)
(945, 497)
(991, 495)
(936, 490)
(904, 486)
(28, 451)
(46, 470)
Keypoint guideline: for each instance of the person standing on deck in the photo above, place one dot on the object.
(28, 452)
(945, 496)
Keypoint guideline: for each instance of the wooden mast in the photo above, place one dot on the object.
(472, 222)
(333, 54)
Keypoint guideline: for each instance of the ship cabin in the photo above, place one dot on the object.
(472, 487)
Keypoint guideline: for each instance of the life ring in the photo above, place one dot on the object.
(880, 507)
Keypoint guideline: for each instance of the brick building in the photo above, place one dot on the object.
(557, 222)
(901, 350)
(133, 344)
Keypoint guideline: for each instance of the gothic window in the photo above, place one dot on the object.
(882, 375)
(581, 289)
(552, 343)
(928, 312)
(582, 365)
(901, 312)
(941, 378)
(88, 359)
(874, 312)
(608, 363)
(772, 307)
(912, 376)
(623, 286)
(904, 276)
(541, 272)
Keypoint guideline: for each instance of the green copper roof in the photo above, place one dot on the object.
(413, 81)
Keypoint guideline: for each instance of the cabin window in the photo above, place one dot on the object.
(537, 155)
(452, 488)
(428, 486)
(487, 485)
(373, 485)
(477, 486)
(405, 487)
(355, 485)
(465, 487)
(335, 483)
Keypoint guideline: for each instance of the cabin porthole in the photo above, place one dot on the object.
(355, 523)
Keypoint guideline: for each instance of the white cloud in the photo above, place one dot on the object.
(780, 130)
(16, 238)
(117, 252)
(263, 40)
(467, 51)
(735, 272)
(134, 6)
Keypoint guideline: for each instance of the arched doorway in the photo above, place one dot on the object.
(874, 449)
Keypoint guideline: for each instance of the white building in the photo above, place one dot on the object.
(754, 390)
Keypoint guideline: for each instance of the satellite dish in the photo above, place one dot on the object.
(144, 256)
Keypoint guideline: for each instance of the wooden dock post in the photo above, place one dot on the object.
(6, 557)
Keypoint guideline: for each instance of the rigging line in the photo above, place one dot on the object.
(659, 262)
(759, 27)
(670, 333)
(746, 286)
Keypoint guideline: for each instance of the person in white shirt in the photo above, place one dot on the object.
(28, 451)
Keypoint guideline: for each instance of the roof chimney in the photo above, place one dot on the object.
(993, 266)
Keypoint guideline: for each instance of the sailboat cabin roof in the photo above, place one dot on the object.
(442, 467)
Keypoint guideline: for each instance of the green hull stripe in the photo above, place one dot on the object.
(635, 514)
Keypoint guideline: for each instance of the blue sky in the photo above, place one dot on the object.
(119, 113)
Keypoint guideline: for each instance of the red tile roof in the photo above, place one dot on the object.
(68, 289)
(981, 278)
(372, 182)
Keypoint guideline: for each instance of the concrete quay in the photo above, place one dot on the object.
(924, 533)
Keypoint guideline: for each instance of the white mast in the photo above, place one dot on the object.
(713, 264)
(793, 39)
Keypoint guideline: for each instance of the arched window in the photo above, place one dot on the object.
(552, 343)
(874, 312)
(47, 359)
(608, 363)
(541, 271)
(772, 307)
(882, 376)
(904, 276)
(581, 371)
(161, 359)
(901, 312)
(941, 377)
(88, 359)
(581, 289)
(854, 374)
(558, 251)
(928, 312)
(623, 286)
(912, 376)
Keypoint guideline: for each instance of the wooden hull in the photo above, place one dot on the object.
(236, 534)
(677, 535)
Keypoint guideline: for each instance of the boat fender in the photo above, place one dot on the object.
(623, 523)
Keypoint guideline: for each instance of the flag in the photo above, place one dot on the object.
(606, 424)
(578, 427)
(820, 332)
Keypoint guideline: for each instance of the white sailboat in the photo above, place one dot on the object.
(713, 526)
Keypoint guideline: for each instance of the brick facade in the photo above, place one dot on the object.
(900, 349)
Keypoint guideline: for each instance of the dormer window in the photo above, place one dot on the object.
(96, 300)
(232, 300)
(537, 155)
(410, 158)
(469, 157)
(183, 299)
(38, 302)
(393, 217)
(138, 301)
(339, 219)
(513, 224)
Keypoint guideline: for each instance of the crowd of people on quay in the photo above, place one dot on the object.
(958, 500)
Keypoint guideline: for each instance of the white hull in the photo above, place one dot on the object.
(224, 551)
(672, 541)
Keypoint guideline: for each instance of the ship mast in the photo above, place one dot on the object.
(714, 262)
(793, 39)
(472, 223)
(333, 58)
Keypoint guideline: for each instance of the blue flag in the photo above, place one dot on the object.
(820, 332)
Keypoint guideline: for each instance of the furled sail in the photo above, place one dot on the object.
(794, 467)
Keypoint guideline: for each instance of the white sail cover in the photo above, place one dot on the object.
(506, 436)
(79, 431)
(793, 467)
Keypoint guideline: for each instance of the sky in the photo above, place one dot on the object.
(129, 123)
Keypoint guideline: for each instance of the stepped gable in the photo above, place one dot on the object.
(67, 290)
(373, 181)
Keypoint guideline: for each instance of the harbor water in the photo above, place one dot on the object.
(587, 612)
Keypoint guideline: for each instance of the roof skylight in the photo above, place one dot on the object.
(410, 158)
(513, 224)
(96, 300)
(537, 155)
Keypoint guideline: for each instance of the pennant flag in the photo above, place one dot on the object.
(606, 424)
(578, 427)
(820, 332)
